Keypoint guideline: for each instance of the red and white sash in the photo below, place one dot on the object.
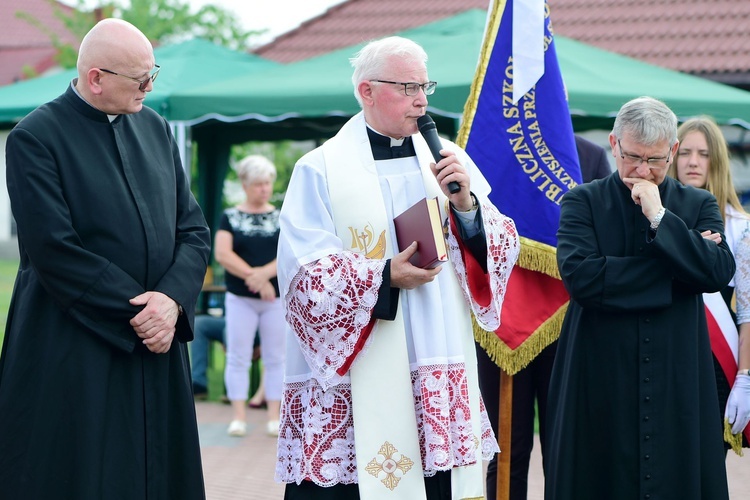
(724, 338)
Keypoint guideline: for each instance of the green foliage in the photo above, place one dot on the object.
(78, 22)
(222, 27)
(29, 71)
(169, 21)
(162, 21)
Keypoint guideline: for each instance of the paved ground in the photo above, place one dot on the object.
(237, 468)
(243, 468)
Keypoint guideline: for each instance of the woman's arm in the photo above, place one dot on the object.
(226, 256)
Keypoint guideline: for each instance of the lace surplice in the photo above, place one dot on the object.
(329, 307)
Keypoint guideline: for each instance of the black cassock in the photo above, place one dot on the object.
(632, 399)
(104, 213)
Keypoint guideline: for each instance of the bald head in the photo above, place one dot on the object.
(112, 42)
(113, 52)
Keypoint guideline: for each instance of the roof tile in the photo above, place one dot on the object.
(709, 38)
(23, 44)
(356, 21)
(705, 37)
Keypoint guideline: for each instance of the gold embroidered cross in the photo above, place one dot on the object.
(389, 465)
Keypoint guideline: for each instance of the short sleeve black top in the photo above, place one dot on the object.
(254, 238)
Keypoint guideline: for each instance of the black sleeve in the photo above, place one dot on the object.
(387, 304)
(477, 244)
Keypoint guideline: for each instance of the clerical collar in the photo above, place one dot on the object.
(387, 148)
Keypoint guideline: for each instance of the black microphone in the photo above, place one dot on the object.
(429, 132)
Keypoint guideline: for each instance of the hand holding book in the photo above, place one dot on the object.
(406, 276)
(421, 223)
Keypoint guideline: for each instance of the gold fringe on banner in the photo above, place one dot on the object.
(539, 257)
(734, 440)
(513, 360)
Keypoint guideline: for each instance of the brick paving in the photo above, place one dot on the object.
(243, 468)
(237, 468)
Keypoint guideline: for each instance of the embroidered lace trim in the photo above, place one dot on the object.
(503, 248)
(316, 439)
(329, 303)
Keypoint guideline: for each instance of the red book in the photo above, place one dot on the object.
(421, 223)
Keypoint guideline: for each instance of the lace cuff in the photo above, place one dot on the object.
(502, 252)
(329, 306)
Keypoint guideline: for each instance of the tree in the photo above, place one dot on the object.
(78, 22)
(169, 21)
(162, 21)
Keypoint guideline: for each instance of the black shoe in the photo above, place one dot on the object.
(200, 392)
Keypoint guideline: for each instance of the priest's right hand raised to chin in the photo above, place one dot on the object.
(405, 275)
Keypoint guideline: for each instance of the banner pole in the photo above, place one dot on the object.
(504, 431)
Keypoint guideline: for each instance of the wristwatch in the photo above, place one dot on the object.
(746, 371)
(657, 220)
(474, 205)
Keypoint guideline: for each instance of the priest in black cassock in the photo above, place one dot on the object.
(632, 398)
(95, 393)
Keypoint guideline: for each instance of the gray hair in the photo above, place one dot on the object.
(649, 121)
(255, 168)
(370, 62)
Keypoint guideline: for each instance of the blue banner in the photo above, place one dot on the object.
(526, 150)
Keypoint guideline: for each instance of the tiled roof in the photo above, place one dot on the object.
(356, 21)
(709, 38)
(22, 44)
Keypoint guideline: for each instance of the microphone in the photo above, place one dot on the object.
(429, 131)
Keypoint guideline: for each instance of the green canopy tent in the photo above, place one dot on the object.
(311, 98)
(184, 65)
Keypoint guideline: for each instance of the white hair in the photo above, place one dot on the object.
(649, 121)
(255, 168)
(370, 62)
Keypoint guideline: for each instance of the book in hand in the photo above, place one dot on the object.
(421, 223)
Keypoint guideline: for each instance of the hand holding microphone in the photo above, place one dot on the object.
(429, 131)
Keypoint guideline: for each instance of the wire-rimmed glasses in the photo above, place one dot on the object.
(412, 88)
(632, 160)
(142, 84)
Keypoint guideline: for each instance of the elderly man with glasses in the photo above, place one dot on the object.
(95, 393)
(632, 398)
(371, 339)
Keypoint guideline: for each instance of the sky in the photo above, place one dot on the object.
(278, 16)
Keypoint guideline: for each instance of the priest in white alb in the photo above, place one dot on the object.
(381, 399)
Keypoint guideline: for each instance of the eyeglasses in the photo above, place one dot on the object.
(635, 160)
(412, 88)
(142, 83)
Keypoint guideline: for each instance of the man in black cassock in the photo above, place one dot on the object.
(530, 384)
(632, 398)
(95, 393)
